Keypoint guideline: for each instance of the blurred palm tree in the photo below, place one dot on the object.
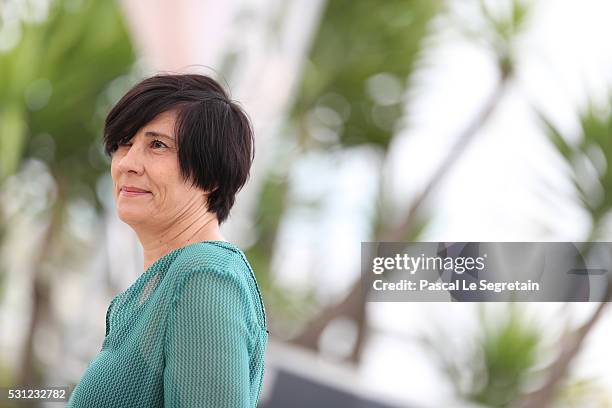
(357, 73)
(590, 173)
(510, 353)
(54, 76)
(502, 366)
(589, 163)
(505, 359)
(362, 74)
(493, 369)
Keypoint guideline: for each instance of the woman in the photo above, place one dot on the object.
(191, 330)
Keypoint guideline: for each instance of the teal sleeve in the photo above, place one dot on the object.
(208, 343)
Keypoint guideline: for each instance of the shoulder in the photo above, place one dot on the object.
(217, 272)
(215, 258)
(218, 255)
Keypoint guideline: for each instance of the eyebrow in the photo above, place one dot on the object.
(151, 133)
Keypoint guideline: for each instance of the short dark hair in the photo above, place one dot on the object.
(215, 136)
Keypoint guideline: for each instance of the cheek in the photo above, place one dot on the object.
(178, 194)
(168, 184)
(167, 193)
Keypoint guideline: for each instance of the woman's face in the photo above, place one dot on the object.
(148, 186)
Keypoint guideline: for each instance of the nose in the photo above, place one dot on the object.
(131, 162)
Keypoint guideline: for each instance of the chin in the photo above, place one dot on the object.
(130, 216)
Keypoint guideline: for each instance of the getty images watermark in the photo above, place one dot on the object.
(486, 271)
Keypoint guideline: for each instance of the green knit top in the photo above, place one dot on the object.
(189, 332)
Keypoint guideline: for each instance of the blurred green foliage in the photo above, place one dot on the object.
(588, 160)
(501, 29)
(359, 67)
(501, 360)
(55, 78)
(52, 82)
(351, 93)
(509, 352)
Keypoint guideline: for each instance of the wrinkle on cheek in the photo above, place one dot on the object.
(158, 200)
(165, 207)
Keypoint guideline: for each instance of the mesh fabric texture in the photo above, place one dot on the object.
(189, 332)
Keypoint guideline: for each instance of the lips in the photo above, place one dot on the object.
(132, 191)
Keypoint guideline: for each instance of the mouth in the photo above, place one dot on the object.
(133, 192)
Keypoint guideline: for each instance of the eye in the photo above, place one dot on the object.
(158, 144)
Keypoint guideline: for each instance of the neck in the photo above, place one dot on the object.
(181, 232)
